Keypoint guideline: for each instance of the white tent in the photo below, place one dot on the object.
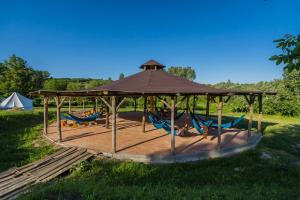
(16, 100)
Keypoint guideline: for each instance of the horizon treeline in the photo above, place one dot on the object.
(17, 76)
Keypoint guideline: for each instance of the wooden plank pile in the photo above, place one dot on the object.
(15, 181)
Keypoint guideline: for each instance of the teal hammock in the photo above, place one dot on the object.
(214, 123)
(81, 120)
(198, 125)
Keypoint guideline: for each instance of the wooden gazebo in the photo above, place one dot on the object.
(152, 82)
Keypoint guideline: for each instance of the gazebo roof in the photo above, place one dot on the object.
(151, 81)
(152, 64)
(157, 82)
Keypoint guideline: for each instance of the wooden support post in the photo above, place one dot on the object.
(220, 107)
(259, 121)
(114, 124)
(152, 103)
(176, 101)
(134, 104)
(107, 117)
(70, 105)
(194, 103)
(96, 106)
(59, 103)
(207, 107)
(251, 101)
(83, 106)
(172, 126)
(187, 108)
(144, 115)
(46, 99)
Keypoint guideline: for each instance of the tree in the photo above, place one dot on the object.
(184, 72)
(16, 75)
(290, 56)
(121, 76)
(55, 84)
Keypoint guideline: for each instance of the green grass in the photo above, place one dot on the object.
(244, 176)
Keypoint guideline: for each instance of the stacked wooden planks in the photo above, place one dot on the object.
(15, 181)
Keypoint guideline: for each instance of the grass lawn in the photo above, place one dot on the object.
(271, 171)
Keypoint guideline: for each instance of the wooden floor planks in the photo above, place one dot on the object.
(15, 181)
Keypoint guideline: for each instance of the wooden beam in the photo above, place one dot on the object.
(107, 117)
(114, 124)
(120, 104)
(259, 121)
(228, 98)
(187, 108)
(105, 102)
(135, 104)
(172, 126)
(144, 115)
(220, 107)
(46, 100)
(247, 99)
(59, 103)
(96, 104)
(207, 107)
(166, 103)
(152, 103)
(250, 105)
(69, 104)
(194, 103)
(83, 106)
(213, 99)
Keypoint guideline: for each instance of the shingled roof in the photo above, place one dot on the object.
(152, 64)
(151, 81)
(157, 82)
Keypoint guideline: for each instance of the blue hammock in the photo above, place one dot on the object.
(198, 124)
(224, 125)
(156, 121)
(81, 120)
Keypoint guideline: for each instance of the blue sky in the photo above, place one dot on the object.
(222, 40)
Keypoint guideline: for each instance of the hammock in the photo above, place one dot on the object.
(158, 123)
(80, 120)
(198, 125)
(224, 125)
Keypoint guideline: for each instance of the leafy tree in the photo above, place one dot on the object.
(290, 56)
(16, 75)
(184, 72)
(121, 76)
(55, 84)
(74, 86)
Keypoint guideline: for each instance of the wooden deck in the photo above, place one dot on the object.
(17, 180)
(133, 144)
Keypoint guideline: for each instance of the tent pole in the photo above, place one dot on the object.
(259, 121)
(46, 99)
(144, 115)
(172, 126)
(114, 123)
(220, 107)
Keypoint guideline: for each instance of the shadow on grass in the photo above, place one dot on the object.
(243, 176)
